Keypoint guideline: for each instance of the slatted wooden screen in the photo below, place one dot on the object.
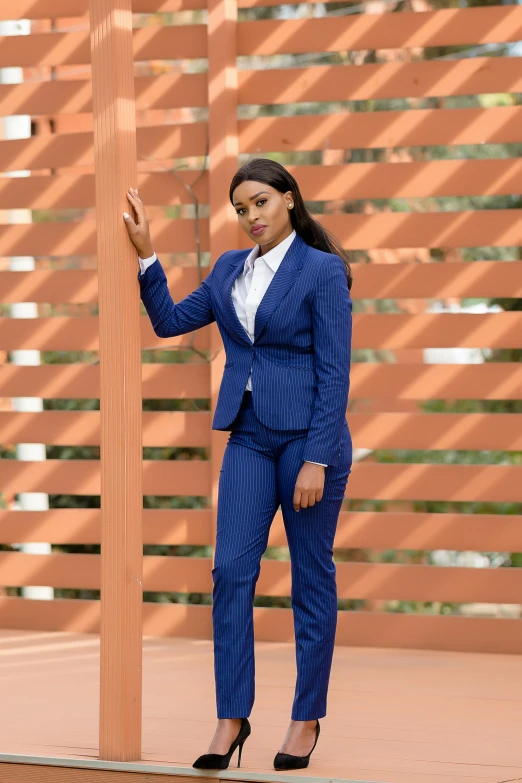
(301, 82)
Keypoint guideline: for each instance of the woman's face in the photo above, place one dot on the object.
(263, 213)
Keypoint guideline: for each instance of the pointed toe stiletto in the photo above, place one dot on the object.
(288, 761)
(222, 760)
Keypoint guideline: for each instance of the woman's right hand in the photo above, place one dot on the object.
(139, 228)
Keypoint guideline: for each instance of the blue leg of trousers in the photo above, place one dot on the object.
(310, 533)
(247, 503)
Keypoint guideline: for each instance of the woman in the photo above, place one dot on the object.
(284, 314)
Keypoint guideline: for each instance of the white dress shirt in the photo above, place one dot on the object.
(250, 285)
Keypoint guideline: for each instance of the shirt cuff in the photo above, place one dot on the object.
(316, 463)
(146, 262)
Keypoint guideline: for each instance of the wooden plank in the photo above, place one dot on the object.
(374, 81)
(82, 477)
(53, 49)
(377, 129)
(80, 286)
(439, 431)
(489, 381)
(417, 179)
(455, 483)
(80, 333)
(443, 27)
(77, 191)
(357, 581)
(376, 530)
(179, 381)
(354, 629)
(75, 97)
(391, 331)
(61, 150)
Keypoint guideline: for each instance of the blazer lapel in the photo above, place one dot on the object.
(236, 267)
(283, 280)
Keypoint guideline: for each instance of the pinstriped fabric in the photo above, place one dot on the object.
(259, 472)
(300, 357)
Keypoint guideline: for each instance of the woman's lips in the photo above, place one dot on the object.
(256, 230)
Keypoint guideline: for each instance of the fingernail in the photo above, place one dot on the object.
(126, 215)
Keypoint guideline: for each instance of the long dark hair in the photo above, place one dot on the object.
(274, 174)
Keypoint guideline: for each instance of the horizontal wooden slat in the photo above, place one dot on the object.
(372, 281)
(370, 81)
(495, 431)
(502, 227)
(434, 281)
(317, 183)
(381, 581)
(80, 334)
(501, 381)
(77, 192)
(374, 81)
(82, 477)
(362, 629)
(76, 149)
(390, 331)
(491, 381)
(173, 429)
(443, 27)
(377, 129)
(456, 483)
(76, 380)
(75, 96)
(81, 285)
(374, 530)
(368, 130)
(56, 48)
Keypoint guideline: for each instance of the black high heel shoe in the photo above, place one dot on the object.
(288, 761)
(222, 760)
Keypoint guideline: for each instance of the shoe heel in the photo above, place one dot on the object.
(239, 754)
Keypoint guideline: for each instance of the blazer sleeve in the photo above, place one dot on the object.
(332, 334)
(168, 318)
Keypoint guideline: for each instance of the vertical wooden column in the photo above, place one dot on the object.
(120, 365)
(223, 163)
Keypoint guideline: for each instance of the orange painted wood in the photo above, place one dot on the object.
(443, 27)
(82, 477)
(457, 483)
(365, 82)
(79, 238)
(372, 281)
(375, 530)
(121, 465)
(76, 149)
(80, 285)
(354, 629)
(391, 330)
(381, 581)
(369, 81)
(498, 125)
(439, 431)
(179, 381)
(318, 183)
(53, 49)
(375, 129)
(77, 191)
(75, 97)
(81, 334)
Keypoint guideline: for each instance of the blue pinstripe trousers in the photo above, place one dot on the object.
(259, 471)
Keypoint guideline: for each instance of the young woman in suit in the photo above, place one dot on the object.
(284, 313)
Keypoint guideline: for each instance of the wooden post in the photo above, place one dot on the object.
(223, 163)
(120, 395)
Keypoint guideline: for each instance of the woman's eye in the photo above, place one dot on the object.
(262, 201)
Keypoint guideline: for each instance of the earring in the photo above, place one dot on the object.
(290, 206)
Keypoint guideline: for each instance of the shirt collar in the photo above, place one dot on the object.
(273, 257)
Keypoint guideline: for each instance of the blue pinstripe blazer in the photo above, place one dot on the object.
(300, 356)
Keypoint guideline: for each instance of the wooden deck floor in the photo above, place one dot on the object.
(395, 716)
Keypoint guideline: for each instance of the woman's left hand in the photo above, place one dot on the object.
(309, 486)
